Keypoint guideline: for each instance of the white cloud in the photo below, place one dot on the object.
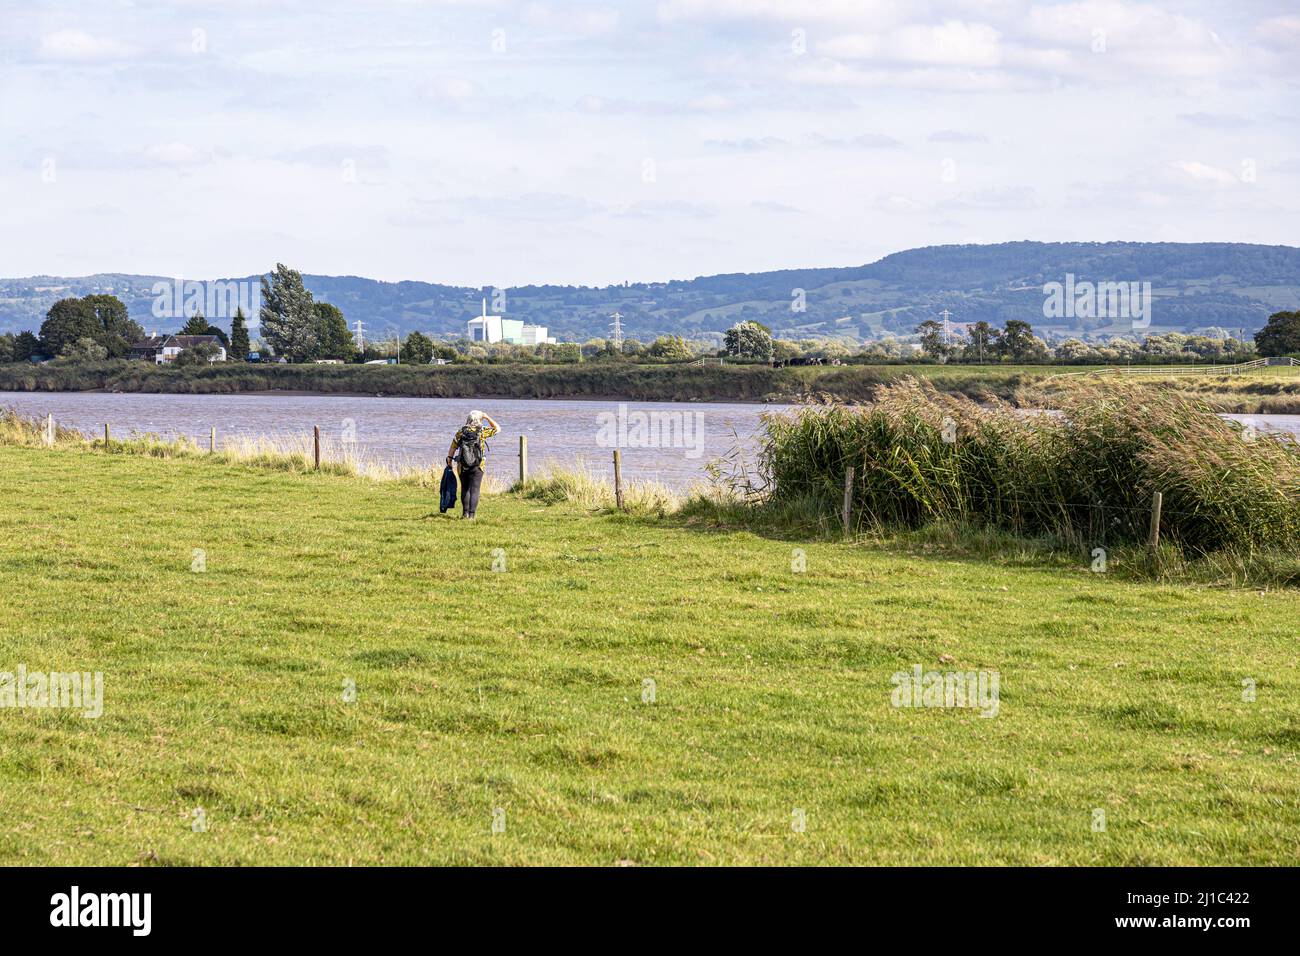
(1203, 173)
(1280, 32)
(176, 154)
(951, 43)
(77, 45)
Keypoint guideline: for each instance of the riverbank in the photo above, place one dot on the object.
(1267, 391)
(629, 691)
(610, 381)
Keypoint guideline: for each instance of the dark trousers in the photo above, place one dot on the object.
(471, 480)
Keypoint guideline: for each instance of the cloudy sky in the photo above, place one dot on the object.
(503, 142)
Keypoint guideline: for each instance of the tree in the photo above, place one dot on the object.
(239, 346)
(197, 325)
(1016, 340)
(26, 346)
(444, 351)
(198, 355)
(288, 319)
(669, 348)
(101, 318)
(334, 340)
(932, 343)
(748, 340)
(1281, 336)
(981, 336)
(67, 321)
(84, 350)
(117, 332)
(417, 349)
(783, 350)
(6, 348)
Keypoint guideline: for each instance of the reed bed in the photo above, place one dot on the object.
(1086, 476)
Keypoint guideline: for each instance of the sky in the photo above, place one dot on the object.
(507, 142)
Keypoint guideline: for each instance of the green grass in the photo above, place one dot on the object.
(523, 690)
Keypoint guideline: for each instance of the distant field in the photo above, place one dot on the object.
(523, 693)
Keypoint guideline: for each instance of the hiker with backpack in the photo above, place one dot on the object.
(470, 448)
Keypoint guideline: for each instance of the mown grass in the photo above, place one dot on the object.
(522, 689)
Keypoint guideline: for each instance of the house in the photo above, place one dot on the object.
(161, 349)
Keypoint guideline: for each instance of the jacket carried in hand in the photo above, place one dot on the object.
(447, 490)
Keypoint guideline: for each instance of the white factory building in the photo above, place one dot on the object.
(495, 328)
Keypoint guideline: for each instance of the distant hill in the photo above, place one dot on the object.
(1195, 285)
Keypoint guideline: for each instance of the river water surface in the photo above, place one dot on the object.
(673, 448)
(667, 442)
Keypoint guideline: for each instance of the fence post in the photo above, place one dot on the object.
(106, 438)
(316, 444)
(1157, 500)
(523, 458)
(618, 479)
(848, 499)
(49, 430)
(212, 441)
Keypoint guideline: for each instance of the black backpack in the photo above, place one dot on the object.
(473, 448)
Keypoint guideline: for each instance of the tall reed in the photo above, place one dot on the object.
(1087, 474)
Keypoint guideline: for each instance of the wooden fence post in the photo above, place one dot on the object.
(316, 444)
(49, 430)
(1157, 501)
(523, 458)
(848, 499)
(212, 441)
(618, 478)
(106, 438)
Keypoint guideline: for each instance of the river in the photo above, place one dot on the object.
(660, 441)
(667, 442)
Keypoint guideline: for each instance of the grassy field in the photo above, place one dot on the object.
(521, 690)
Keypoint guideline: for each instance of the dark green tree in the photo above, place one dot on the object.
(198, 325)
(1016, 340)
(1281, 336)
(417, 349)
(117, 331)
(239, 345)
(287, 317)
(6, 348)
(67, 321)
(26, 346)
(333, 339)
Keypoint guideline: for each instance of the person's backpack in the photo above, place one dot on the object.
(473, 448)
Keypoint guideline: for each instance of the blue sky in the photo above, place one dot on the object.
(501, 143)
